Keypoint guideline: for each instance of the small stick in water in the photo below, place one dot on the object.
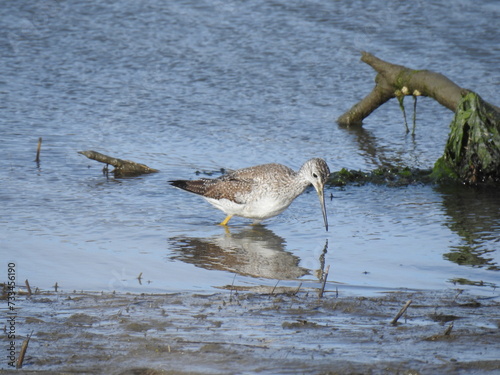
(401, 312)
(325, 276)
(28, 287)
(38, 150)
(232, 287)
(297, 291)
(448, 330)
(272, 291)
(459, 291)
(22, 352)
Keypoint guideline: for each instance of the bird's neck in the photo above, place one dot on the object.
(300, 184)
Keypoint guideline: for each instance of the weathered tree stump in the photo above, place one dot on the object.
(472, 154)
(123, 168)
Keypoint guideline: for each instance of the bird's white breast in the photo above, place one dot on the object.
(259, 209)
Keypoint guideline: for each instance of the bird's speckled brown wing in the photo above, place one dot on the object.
(219, 188)
(234, 186)
(233, 189)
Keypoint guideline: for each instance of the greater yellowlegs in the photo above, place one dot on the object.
(262, 191)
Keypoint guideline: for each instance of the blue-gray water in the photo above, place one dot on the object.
(196, 86)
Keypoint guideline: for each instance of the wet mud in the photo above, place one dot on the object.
(256, 331)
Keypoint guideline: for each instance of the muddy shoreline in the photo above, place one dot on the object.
(282, 332)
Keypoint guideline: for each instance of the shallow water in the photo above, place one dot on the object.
(191, 88)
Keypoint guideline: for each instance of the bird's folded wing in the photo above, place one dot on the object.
(233, 189)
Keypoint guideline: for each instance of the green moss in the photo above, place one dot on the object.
(443, 171)
(472, 153)
(392, 176)
(406, 172)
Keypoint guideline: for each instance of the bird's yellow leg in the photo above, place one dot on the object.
(226, 220)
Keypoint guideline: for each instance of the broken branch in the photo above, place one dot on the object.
(123, 168)
(401, 312)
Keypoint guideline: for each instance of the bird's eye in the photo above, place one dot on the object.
(315, 175)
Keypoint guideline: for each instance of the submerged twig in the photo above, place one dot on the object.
(325, 276)
(401, 312)
(37, 159)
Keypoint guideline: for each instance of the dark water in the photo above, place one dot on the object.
(195, 86)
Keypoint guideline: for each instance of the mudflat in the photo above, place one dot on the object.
(280, 331)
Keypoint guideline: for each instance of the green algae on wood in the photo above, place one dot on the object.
(472, 153)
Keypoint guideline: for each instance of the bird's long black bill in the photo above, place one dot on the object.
(321, 195)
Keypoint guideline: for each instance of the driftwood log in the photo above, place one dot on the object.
(472, 153)
(397, 81)
(123, 168)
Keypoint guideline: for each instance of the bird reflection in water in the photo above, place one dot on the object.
(255, 251)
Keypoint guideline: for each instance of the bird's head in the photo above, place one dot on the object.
(316, 171)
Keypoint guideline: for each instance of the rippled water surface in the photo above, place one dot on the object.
(193, 87)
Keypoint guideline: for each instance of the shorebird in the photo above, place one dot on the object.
(262, 191)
